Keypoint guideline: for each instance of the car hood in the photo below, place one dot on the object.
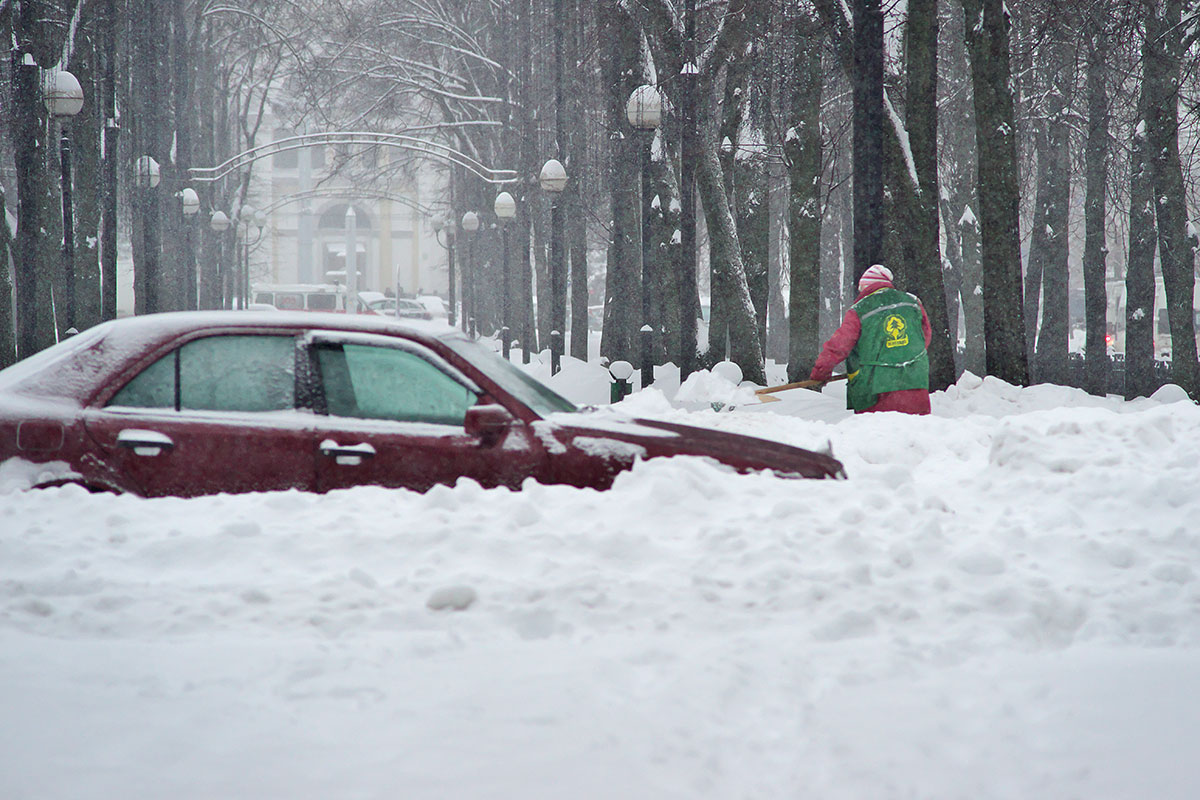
(744, 453)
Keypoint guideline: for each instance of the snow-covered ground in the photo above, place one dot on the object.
(1001, 602)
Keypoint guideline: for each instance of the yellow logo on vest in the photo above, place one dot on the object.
(897, 331)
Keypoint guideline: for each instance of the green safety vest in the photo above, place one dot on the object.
(890, 353)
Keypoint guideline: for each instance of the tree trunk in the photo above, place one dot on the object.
(754, 234)
(1162, 56)
(957, 132)
(733, 113)
(922, 124)
(660, 255)
(185, 282)
(803, 153)
(622, 302)
(108, 220)
(210, 290)
(952, 275)
(867, 80)
(1053, 335)
(528, 197)
(86, 129)
(1036, 259)
(1095, 245)
(34, 252)
(974, 313)
(987, 30)
(729, 274)
(149, 104)
(8, 344)
(576, 212)
(1139, 264)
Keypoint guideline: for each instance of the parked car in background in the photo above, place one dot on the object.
(381, 304)
(191, 403)
(435, 305)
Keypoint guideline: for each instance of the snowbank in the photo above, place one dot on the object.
(1000, 602)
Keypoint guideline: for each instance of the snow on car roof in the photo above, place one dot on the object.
(81, 358)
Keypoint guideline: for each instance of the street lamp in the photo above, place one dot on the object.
(644, 112)
(219, 223)
(64, 99)
(553, 180)
(189, 205)
(621, 372)
(470, 224)
(506, 208)
(241, 281)
(440, 228)
(252, 220)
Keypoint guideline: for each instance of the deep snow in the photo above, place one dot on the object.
(1000, 602)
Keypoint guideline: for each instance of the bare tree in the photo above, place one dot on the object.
(987, 27)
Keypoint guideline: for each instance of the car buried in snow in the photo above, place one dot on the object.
(193, 403)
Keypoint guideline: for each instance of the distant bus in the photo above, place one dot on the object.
(301, 296)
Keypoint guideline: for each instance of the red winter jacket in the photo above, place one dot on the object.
(908, 401)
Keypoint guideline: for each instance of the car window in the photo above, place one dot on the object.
(153, 387)
(322, 302)
(218, 373)
(514, 380)
(287, 300)
(386, 383)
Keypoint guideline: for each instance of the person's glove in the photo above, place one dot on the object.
(819, 374)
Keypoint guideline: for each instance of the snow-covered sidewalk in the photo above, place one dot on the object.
(1000, 602)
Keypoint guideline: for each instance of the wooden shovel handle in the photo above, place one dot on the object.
(796, 385)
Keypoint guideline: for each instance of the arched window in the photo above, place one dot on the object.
(334, 218)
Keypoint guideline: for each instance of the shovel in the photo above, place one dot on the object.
(764, 394)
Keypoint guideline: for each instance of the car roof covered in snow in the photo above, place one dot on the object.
(72, 367)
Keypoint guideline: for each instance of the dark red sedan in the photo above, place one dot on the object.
(202, 402)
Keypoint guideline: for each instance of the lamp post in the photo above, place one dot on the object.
(621, 372)
(257, 221)
(64, 99)
(470, 224)
(553, 180)
(241, 282)
(440, 228)
(189, 205)
(146, 177)
(219, 223)
(505, 208)
(351, 260)
(644, 112)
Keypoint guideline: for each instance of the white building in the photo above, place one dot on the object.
(305, 205)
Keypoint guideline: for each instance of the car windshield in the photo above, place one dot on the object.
(540, 398)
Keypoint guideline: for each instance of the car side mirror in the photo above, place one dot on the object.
(489, 422)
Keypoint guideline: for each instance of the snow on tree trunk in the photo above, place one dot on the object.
(988, 30)
(1162, 55)
(622, 74)
(803, 153)
(729, 274)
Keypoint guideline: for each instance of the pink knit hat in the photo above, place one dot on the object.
(875, 274)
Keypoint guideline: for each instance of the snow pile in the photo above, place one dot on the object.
(1000, 602)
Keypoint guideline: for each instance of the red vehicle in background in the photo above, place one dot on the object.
(192, 403)
(301, 296)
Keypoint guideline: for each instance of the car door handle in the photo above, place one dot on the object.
(145, 443)
(349, 454)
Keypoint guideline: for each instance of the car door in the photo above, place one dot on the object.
(391, 412)
(216, 414)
